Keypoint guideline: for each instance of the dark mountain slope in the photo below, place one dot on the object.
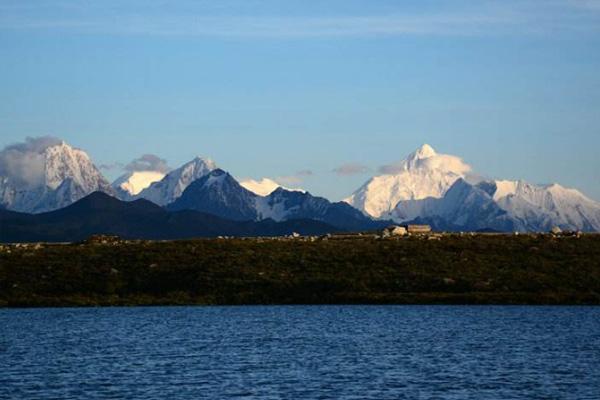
(220, 194)
(99, 213)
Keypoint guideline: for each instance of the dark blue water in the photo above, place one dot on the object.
(347, 352)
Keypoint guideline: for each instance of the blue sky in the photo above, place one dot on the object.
(279, 88)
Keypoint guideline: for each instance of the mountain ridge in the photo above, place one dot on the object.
(427, 185)
(99, 213)
(176, 181)
(52, 175)
(220, 194)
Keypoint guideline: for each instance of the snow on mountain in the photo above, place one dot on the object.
(44, 174)
(545, 206)
(49, 174)
(63, 161)
(169, 188)
(464, 207)
(431, 186)
(265, 186)
(220, 194)
(424, 173)
(283, 204)
(505, 206)
(132, 183)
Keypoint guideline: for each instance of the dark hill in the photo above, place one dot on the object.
(99, 213)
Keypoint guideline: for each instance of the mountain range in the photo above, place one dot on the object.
(426, 187)
(220, 194)
(444, 191)
(138, 219)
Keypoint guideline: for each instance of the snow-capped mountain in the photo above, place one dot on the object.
(265, 186)
(424, 173)
(169, 188)
(130, 184)
(51, 177)
(541, 207)
(220, 194)
(44, 174)
(435, 188)
(464, 207)
(504, 206)
(284, 204)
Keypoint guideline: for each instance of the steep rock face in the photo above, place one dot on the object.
(65, 162)
(67, 175)
(220, 194)
(424, 173)
(175, 182)
(284, 204)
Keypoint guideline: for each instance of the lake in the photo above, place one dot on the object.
(301, 352)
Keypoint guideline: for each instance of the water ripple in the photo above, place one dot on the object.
(330, 352)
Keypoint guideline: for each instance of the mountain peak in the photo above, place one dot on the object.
(220, 194)
(425, 151)
(64, 149)
(423, 173)
(176, 181)
(216, 176)
(57, 175)
(60, 148)
(203, 161)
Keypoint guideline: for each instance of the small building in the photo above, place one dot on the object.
(556, 230)
(393, 230)
(397, 230)
(418, 229)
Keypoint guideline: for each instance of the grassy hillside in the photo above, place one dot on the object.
(504, 269)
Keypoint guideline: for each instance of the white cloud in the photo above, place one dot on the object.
(351, 169)
(148, 162)
(24, 162)
(295, 179)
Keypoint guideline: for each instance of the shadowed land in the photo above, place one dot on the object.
(452, 269)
